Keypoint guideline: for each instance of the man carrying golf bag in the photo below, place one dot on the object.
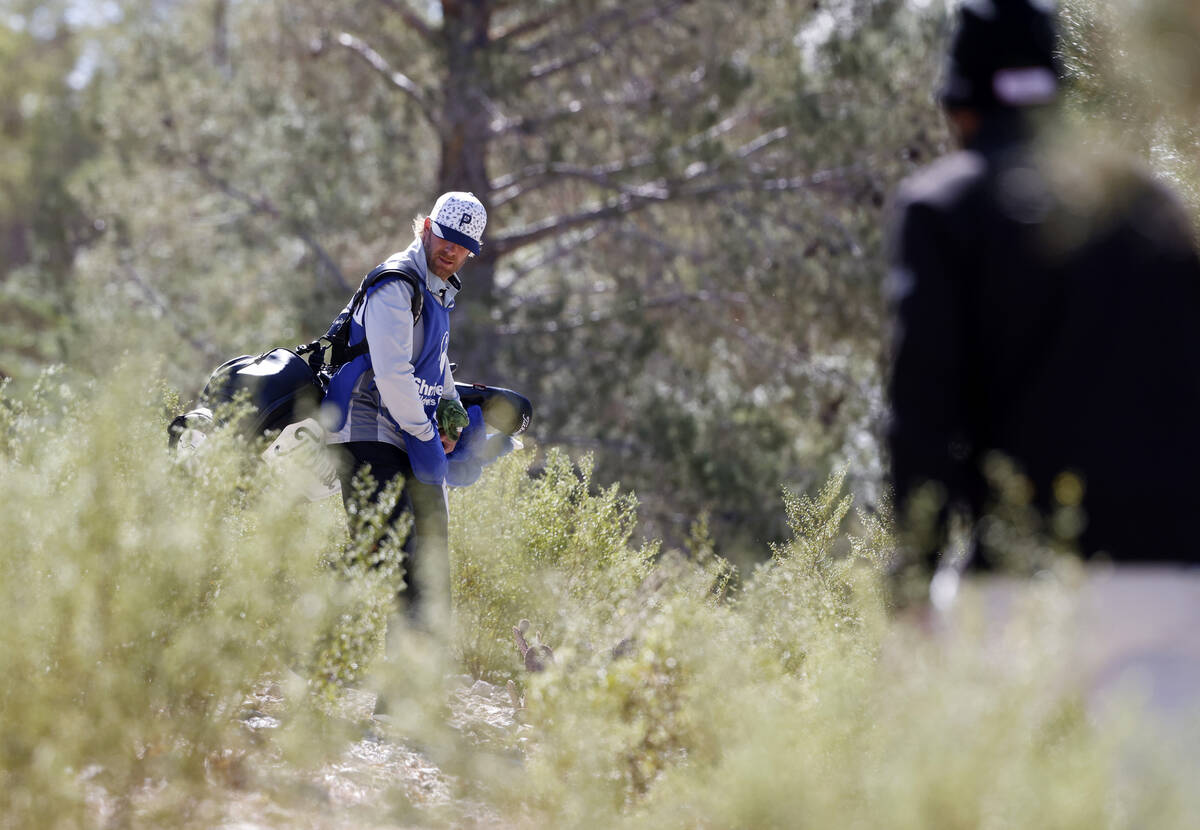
(378, 389)
(396, 411)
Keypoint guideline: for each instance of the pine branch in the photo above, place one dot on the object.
(602, 174)
(596, 318)
(660, 192)
(598, 175)
(585, 26)
(530, 26)
(412, 18)
(606, 444)
(156, 299)
(697, 169)
(588, 26)
(548, 258)
(761, 142)
(397, 79)
(264, 206)
(506, 243)
(684, 80)
(602, 45)
(530, 124)
(565, 248)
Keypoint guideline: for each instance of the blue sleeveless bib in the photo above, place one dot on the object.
(429, 367)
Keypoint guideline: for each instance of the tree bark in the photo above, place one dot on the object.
(465, 136)
(220, 46)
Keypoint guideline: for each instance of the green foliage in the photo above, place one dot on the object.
(685, 205)
(45, 137)
(801, 704)
(733, 342)
(683, 272)
(158, 606)
(564, 554)
(1133, 69)
(145, 599)
(810, 593)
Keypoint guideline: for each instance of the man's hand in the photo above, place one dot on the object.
(451, 417)
(427, 458)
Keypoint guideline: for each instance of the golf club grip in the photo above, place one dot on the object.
(503, 409)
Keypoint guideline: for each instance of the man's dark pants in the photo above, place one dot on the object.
(426, 597)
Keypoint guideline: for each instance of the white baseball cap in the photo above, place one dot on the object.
(459, 217)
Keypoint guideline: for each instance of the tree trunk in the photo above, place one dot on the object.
(220, 45)
(477, 344)
(465, 138)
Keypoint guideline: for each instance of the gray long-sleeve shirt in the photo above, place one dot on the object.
(385, 400)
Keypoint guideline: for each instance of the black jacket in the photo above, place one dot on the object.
(1054, 319)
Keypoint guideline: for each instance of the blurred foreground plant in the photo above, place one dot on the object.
(143, 603)
(795, 701)
(147, 601)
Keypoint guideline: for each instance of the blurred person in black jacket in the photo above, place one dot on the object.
(1046, 311)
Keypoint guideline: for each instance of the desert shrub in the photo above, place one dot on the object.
(145, 599)
(542, 548)
(800, 702)
(684, 668)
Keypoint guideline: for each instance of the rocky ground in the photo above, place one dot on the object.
(380, 780)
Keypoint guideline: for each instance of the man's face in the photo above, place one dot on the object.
(443, 258)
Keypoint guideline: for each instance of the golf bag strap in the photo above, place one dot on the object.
(338, 336)
(373, 279)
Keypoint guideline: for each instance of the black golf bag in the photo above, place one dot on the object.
(280, 388)
(277, 387)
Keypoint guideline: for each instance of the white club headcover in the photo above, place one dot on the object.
(300, 454)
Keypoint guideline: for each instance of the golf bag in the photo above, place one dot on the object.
(277, 388)
(283, 391)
